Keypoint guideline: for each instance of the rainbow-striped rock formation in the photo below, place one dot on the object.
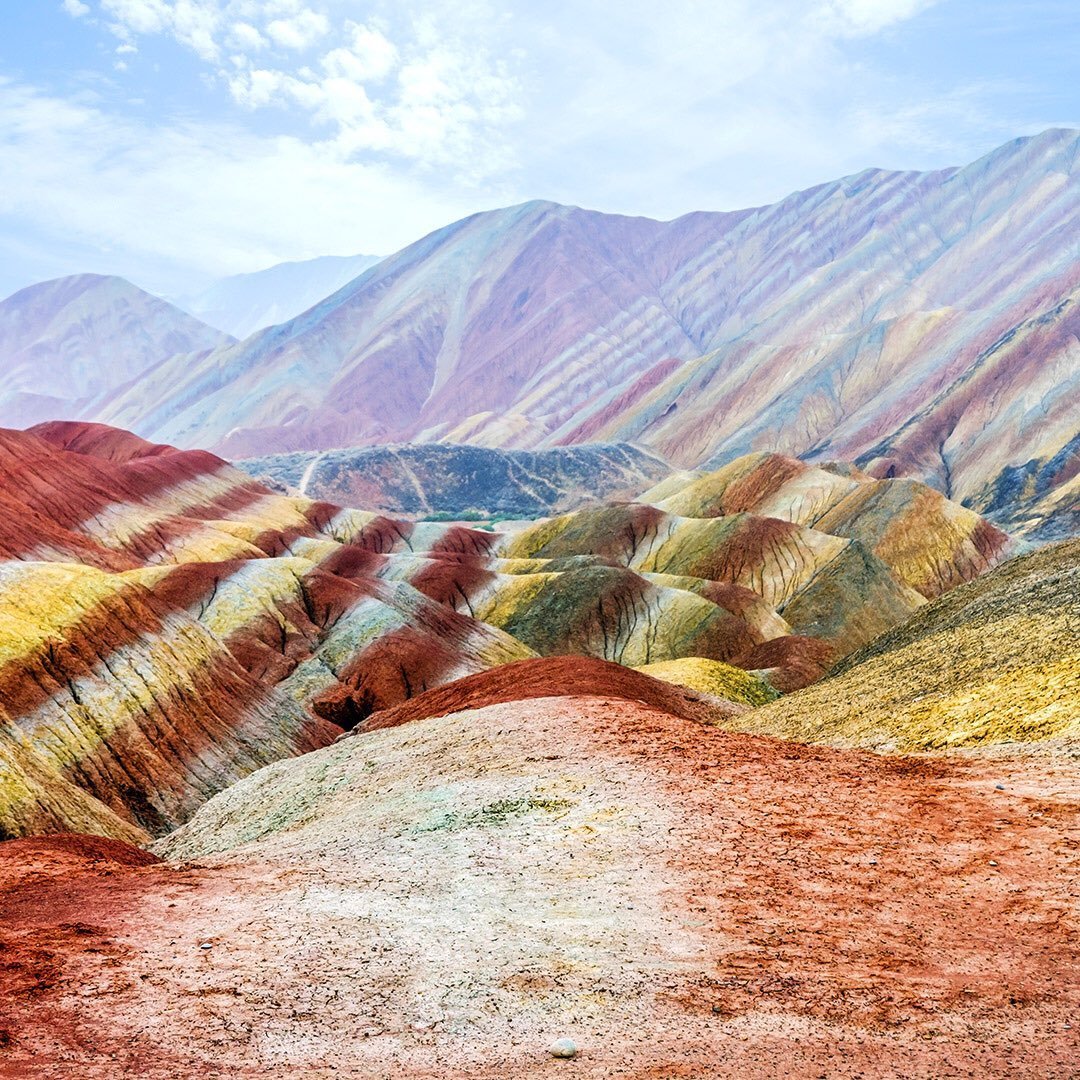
(168, 625)
(996, 661)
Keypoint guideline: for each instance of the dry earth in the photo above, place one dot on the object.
(446, 897)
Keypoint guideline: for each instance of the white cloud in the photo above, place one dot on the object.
(194, 23)
(434, 96)
(75, 8)
(243, 35)
(868, 16)
(139, 16)
(369, 56)
(425, 86)
(258, 87)
(209, 197)
(299, 31)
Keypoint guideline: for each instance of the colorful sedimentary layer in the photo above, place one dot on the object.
(500, 849)
(922, 324)
(168, 624)
(714, 678)
(821, 585)
(995, 661)
(931, 543)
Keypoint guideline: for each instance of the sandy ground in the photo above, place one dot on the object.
(447, 897)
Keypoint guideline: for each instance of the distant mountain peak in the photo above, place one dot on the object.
(913, 321)
(68, 342)
(245, 303)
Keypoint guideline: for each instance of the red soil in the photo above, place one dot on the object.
(43, 883)
(831, 914)
(746, 493)
(47, 491)
(553, 676)
(461, 540)
(400, 663)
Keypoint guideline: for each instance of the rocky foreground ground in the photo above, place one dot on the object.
(449, 896)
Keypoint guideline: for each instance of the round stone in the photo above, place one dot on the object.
(563, 1048)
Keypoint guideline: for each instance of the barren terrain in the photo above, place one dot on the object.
(448, 896)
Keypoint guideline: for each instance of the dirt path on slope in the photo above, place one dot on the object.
(447, 897)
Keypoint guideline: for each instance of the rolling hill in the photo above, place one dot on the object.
(436, 478)
(995, 661)
(168, 624)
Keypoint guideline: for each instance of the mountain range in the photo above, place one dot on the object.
(917, 324)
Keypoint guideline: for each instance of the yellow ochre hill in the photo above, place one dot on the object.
(994, 661)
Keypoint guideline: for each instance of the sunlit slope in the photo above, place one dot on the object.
(712, 677)
(822, 586)
(997, 660)
(930, 542)
(67, 344)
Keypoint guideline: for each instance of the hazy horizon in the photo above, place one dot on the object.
(173, 143)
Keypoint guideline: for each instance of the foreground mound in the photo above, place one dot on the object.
(560, 676)
(446, 897)
(995, 661)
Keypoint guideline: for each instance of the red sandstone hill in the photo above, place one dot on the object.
(559, 676)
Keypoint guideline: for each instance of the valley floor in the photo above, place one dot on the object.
(447, 897)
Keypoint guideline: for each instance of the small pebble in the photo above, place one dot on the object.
(999, 787)
(992, 863)
(563, 1048)
(206, 945)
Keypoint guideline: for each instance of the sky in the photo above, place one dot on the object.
(176, 141)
